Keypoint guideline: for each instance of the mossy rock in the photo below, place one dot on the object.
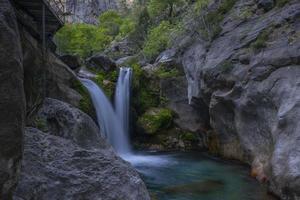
(156, 119)
(85, 103)
(189, 137)
(107, 81)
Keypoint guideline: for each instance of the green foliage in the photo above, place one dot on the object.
(226, 66)
(190, 137)
(159, 7)
(81, 39)
(86, 39)
(107, 81)
(127, 27)
(111, 22)
(41, 124)
(281, 3)
(148, 98)
(167, 73)
(137, 74)
(212, 20)
(201, 4)
(157, 40)
(85, 103)
(156, 119)
(261, 40)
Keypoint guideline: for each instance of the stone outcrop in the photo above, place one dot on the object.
(72, 61)
(101, 62)
(59, 163)
(248, 77)
(88, 11)
(12, 100)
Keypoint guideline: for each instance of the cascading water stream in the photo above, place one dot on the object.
(113, 123)
(122, 98)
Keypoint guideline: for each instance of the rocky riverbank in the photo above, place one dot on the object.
(51, 149)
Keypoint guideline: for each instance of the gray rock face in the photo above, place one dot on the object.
(12, 100)
(253, 92)
(88, 11)
(52, 79)
(60, 164)
(188, 118)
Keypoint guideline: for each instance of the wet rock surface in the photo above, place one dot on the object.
(57, 168)
(71, 161)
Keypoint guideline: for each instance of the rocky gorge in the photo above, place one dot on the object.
(228, 84)
(235, 95)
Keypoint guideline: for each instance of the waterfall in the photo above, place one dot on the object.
(114, 123)
(122, 98)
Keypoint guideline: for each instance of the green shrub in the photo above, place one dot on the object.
(111, 22)
(85, 103)
(86, 39)
(156, 119)
(190, 137)
(163, 7)
(167, 73)
(127, 27)
(81, 39)
(201, 4)
(157, 40)
(41, 124)
(261, 40)
(226, 66)
(281, 3)
(107, 81)
(213, 19)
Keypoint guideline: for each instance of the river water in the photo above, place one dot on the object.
(196, 176)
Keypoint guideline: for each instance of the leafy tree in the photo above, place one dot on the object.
(111, 21)
(158, 39)
(156, 7)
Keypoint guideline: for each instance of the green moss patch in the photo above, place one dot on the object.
(226, 66)
(156, 119)
(167, 73)
(261, 41)
(107, 81)
(85, 103)
(189, 137)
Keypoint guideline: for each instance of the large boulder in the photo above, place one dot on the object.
(72, 61)
(101, 62)
(59, 163)
(63, 120)
(12, 100)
